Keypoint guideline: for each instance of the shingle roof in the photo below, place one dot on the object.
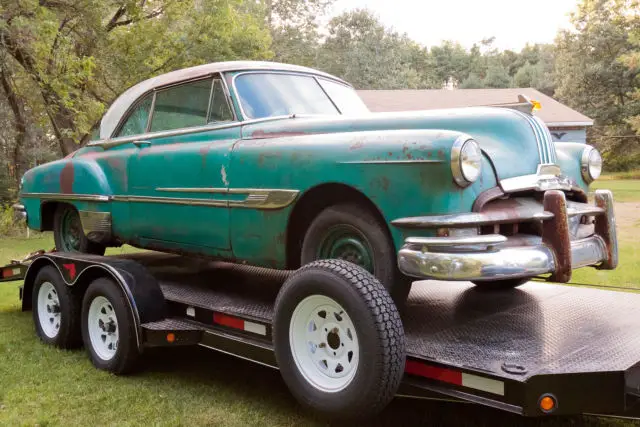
(553, 113)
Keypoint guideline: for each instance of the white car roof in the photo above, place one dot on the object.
(122, 104)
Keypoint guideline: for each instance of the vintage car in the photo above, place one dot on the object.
(277, 165)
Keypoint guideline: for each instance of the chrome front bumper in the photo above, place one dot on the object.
(495, 257)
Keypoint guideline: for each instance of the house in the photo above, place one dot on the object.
(565, 124)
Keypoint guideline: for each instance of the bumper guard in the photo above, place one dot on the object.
(492, 257)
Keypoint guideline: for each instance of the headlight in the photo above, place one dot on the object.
(466, 161)
(591, 164)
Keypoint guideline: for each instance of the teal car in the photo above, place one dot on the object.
(277, 165)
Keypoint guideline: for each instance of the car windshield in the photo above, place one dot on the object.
(274, 94)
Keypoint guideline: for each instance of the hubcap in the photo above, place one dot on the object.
(71, 231)
(324, 343)
(49, 310)
(348, 243)
(103, 328)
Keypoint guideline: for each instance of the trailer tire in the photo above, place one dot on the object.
(56, 310)
(108, 328)
(360, 317)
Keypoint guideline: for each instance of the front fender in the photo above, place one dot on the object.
(403, 172)
(569, 155)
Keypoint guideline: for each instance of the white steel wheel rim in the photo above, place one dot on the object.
(49, 313)
(324, 343)
(103, 328)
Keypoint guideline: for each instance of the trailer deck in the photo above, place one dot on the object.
(506, 349)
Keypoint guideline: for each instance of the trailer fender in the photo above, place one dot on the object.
(142, 291)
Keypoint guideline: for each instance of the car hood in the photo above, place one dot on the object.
(506, 136)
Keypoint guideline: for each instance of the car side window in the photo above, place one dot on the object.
(181, 106)
(138, 118)
(220, 110)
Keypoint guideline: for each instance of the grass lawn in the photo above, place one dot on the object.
(43, 386)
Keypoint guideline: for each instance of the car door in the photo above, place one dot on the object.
(178, 184)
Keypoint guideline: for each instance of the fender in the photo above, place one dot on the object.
(144, 296)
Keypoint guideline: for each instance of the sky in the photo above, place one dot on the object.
(512, 22)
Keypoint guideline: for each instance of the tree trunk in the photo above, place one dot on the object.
(60, 116)
(19, 124)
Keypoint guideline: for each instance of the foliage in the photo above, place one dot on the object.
(592, 76)
(75, 61)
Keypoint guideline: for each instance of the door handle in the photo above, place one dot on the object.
(141, 144)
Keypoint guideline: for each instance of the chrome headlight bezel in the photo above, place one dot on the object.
(466, 161)
(590, 164)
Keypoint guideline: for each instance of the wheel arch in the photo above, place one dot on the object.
(48, 210)
(311, 203)
(141, 290)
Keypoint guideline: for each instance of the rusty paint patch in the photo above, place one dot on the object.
(66, 179)
(356, 146)
(555, 234)
(485, 197)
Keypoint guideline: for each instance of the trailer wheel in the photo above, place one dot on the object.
(339, 340)
(108, 328)
(56, 310)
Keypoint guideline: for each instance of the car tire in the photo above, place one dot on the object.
(56, 310)
(339, 340)
(108, 328)
(496, 285)
(352, 233)
(68, 234)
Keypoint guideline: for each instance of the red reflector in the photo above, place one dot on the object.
(7, 272)
(232, 322)
(432, 372)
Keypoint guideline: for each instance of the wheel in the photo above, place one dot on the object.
(494, 285)
(56, 310)
(69, 235)
(108, 328)
(339, 340)
(352, 233)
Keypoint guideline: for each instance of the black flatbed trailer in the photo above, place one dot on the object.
(505, 349)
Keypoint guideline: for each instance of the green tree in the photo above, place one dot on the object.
(361, 50)
(592, 78)
(80, 54)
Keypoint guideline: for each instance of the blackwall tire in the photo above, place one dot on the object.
(67, 218)
(108, 328)
(371, 240)
(56, 310)
(312, 351)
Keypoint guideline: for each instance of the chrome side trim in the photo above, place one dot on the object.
(65, 197)
(115, 142)
(257, 198)
(389, 162)
(193, 190)
(96, 225)
(172, 201)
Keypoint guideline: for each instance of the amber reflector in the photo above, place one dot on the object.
(547, 404)
(171, 337)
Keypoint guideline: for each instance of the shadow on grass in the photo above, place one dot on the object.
(255, 382)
